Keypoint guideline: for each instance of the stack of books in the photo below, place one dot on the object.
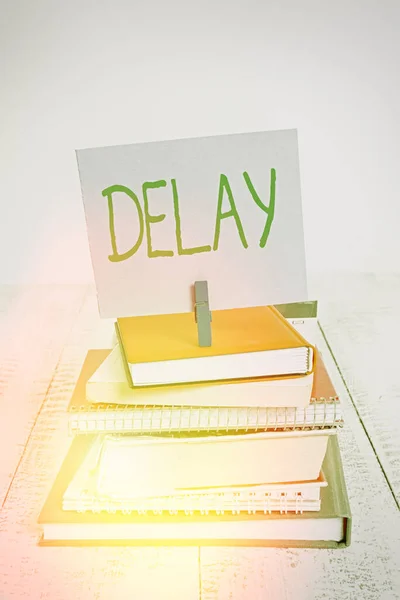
(213, 419)
(173, 453)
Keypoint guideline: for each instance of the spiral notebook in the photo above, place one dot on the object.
(188, 523)
(84, 417)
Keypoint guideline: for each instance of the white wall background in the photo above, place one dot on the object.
(82, 73)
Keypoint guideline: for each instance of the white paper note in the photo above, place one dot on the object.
(225, 209)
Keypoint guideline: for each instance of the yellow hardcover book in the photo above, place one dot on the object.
(247, 342)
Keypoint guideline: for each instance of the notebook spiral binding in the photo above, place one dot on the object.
(236, 503)
(319, 414)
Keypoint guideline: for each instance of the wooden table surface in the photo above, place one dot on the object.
(45, 332)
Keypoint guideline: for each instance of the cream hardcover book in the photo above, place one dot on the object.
(109, 385)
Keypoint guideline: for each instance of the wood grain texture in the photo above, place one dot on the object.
(34, 325)
(368, 569)
(29, 571)
(360, 317)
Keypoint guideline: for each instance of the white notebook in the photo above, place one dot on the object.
(132, 467)
(85, 493)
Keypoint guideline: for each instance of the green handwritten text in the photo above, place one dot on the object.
(146, 219)
(178, 228)
(148, 185)
(224, 185)
(269, 210)
(108, 192)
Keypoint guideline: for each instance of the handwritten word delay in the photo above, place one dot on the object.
(146, 220)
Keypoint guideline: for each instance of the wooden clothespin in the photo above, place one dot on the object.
(202, 313)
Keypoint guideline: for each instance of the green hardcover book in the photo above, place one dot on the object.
(299, 310)
(328, 528)
(303, 317)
